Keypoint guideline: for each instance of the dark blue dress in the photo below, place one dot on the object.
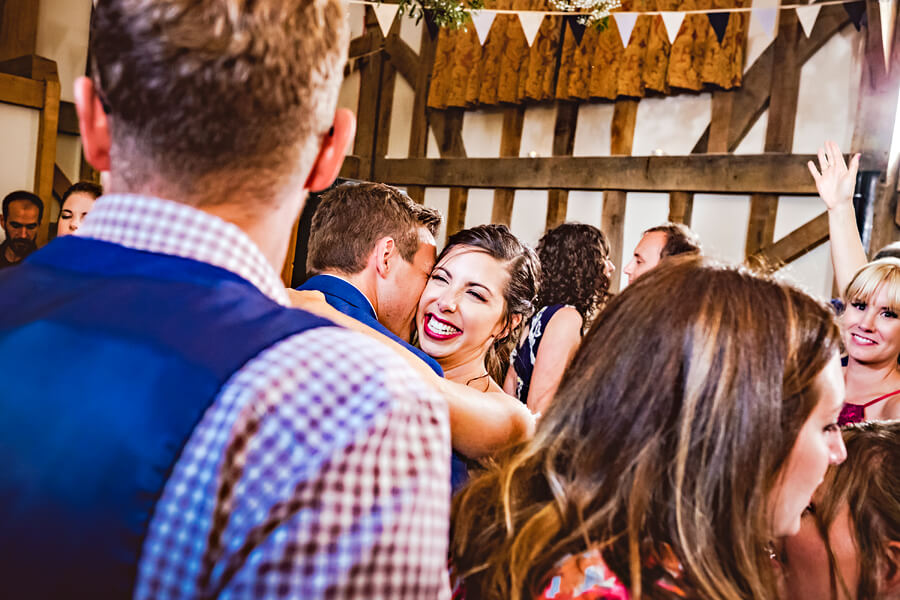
(524, 356)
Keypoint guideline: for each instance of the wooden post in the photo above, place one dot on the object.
(563, 145)
(510, 143)
(785, 84)
(418, 136)
(370, 72)
(613, 219)
(448, 131)
(18, 28)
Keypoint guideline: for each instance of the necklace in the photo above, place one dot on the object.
(477, 378)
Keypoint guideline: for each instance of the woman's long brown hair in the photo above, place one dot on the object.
(666, 437)
(869, 481)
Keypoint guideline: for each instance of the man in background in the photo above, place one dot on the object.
(22, 214)
(371, 251)
(669, 239)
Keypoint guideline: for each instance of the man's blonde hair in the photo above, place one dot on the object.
(228, 88)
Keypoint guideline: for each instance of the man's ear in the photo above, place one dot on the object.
(331, 155)
(384, 251)
(93, 124)
(892, 576)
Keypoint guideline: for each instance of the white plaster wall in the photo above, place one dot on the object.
(664, 125)
(63, 30)
(18, 152)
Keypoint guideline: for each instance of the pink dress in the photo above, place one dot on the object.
(856, 413)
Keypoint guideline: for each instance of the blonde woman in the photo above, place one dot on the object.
(870, 295)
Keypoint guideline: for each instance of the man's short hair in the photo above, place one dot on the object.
(680, 239)
(23, 195)
(352, 217)
(200, 87)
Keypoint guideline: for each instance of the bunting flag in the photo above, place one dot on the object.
(385, 14)
(672, 21)
(888, 21)
(531, 23)
(482, 20)
(625, 22)
(576, 28)
(856, 12)
(767, 19)
(719, 22)
(808, 16)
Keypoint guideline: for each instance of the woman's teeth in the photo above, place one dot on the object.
(441, 328)
(862, 340)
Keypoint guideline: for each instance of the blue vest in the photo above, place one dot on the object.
(109, 358)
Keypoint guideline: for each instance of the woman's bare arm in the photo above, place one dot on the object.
(558, 344)
(835, 184)
(481, 423)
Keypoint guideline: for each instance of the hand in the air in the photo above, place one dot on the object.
(835, 182)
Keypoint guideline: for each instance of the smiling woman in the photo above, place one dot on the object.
(481, 290)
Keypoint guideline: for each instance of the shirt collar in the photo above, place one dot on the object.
(165, 227)
(350, 283)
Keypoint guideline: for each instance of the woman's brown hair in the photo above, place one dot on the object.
(869, 482)
(666, 437)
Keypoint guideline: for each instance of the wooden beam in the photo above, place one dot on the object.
(563, 145)
(510, 143)
(448, 131)
(370, 68)
(45, 161)
(681, 207)
(68, 119)
(350, 167)
(386, 99)
(613, 214)
(418, 135)
(18, 28)
(61, 183)
(403, 58)
(785, 86)
(752, 98)
(775, 173)
(21, 91)
(792, 246)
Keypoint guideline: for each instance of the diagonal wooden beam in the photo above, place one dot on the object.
(404, 59)
(792, 246)
(752, 98)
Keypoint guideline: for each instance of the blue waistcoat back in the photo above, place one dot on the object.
(108, 359)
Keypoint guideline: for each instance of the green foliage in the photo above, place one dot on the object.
(451, 14)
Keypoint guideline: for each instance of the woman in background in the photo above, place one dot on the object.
(848, 547)
(575, 278)
(870, 296)
(76, 203)
(666, 467)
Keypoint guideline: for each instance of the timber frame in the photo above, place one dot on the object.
(772, 83)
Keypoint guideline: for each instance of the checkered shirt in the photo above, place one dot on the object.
(320, 471)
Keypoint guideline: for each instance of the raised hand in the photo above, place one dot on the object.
(836, 181)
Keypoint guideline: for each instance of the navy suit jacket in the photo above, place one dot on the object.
(345, 298)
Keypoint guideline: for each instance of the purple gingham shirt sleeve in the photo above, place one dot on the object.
(322, 468)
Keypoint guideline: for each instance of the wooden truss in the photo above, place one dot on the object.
(772, 83)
